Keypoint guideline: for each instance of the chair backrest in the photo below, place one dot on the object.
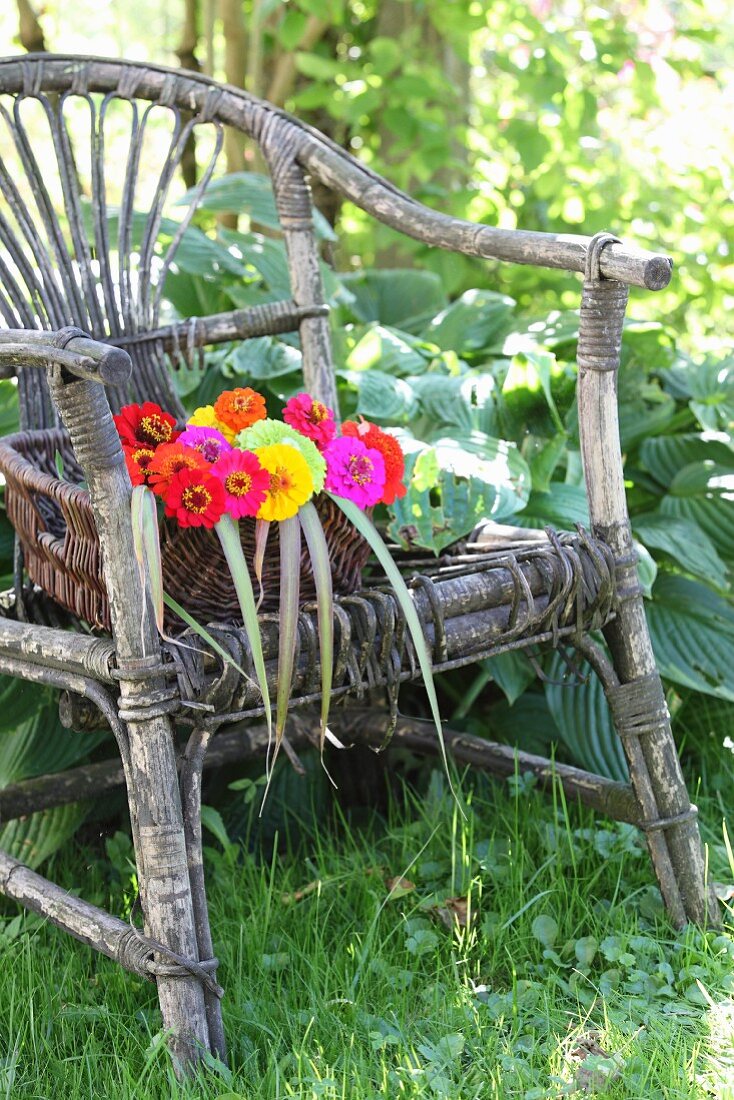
(89, 158)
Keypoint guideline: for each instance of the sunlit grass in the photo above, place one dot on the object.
(354, 991)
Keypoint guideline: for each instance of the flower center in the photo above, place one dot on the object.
(143, 456)
(177, 463)
(318, 413)
(196, 499)
(155, 428)
(241, 403)
(210, 448)
(238, 484)
(360, 469)
(280, 480)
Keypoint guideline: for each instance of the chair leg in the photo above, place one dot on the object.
(163, 878)
(635, 694)
(192, 767)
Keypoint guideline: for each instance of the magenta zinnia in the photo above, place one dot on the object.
(245, 482)
(354, 471)
(310, 417)
(209, 442)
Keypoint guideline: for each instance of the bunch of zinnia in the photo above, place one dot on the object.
(232, 459)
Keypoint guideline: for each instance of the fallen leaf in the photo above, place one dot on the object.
(596, 1068)
(398, 886)
(724, 891)
(453, 912)
(299, 895)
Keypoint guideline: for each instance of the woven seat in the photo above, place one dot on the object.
(82, 276)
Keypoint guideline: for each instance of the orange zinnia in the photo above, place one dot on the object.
(240, 408)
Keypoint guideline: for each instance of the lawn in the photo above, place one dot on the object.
(350, 973)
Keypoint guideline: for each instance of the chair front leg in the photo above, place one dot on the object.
(637, 701)
(153, 792)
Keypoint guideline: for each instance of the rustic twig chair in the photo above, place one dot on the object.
(84, 332)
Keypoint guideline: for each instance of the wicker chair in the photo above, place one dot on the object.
(84, 333)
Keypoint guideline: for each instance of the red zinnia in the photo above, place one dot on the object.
(138, 459)
(146, 423)
(171, 459)
(392, 454)
(195, 498)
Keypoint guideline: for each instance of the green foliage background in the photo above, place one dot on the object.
(560, 117)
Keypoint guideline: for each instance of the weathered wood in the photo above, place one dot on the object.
(192, 767)
(83, 921)
(63, 649)
(218, 328)
(355, 726)
(653, 759)
(152, 786)
(355, 181)
(81, 357)
(295, 210)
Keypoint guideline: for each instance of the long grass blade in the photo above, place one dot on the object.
(321, 566)
(229, 536)
(262, 529)
(370, 533)
(290, 584)
(147, 546)
(201, 631)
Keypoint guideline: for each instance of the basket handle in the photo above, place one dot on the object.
(70, 348)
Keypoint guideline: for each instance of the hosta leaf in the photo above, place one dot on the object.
(249, 193)
(665, 455)
(531, 371)
(527, 724)
(389, 350)
(647, 415)
(584, 721)
(563, 506)
(512, 672)
(394, 297)
(692, 631)
(380, 396)
(452, 488)
(198, 254)
(39, 745)
(685, 542)
(34, 838)
(263, 358)
(712, 512)
(477, 321)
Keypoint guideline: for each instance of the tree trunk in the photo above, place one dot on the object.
(30, 32)
(186, 54)
(235, 61)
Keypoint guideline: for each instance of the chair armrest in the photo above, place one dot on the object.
(355, 181)
(70, 349)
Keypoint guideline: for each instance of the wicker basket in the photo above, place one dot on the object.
(54, 521)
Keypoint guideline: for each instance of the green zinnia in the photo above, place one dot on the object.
(266, 433)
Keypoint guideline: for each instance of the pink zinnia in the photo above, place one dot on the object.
(245, 482)
(311, 418)
(354, 471)
(210, 443)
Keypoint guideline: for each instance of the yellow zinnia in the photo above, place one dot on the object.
(291, 484)
(205, 417)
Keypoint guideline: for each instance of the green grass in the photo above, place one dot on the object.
(351, 992)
